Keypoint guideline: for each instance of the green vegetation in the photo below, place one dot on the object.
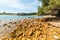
(4, 13)
(40, 11)
(26, 14)
(47, 6)
(20, 14)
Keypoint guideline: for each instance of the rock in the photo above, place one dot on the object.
(34, 29)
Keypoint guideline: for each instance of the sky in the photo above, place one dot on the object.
(19, 6)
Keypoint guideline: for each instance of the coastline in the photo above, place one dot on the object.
(9, 26)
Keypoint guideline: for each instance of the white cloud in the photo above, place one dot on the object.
(17, 5)
(11, 3)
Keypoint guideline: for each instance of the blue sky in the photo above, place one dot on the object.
(18, 6)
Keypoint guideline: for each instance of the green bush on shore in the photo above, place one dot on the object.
(47, 6)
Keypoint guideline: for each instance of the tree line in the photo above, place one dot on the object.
(47, 6)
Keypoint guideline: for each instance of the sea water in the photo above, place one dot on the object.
(7, 17)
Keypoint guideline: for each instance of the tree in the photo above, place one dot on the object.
(48, 5)
(55, 2)
(39, 10)
(4, 12)
(45, 3)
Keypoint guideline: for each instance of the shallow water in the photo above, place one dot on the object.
(6, 17)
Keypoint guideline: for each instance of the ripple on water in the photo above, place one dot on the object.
(5, 17)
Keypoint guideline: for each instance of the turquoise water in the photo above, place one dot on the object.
(6, 17)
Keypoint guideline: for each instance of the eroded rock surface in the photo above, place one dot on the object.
(34, 29)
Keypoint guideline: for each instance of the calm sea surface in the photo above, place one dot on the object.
(6, 17)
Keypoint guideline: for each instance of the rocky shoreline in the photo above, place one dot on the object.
(32, 29)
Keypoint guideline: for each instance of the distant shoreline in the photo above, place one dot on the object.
(18, 14)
